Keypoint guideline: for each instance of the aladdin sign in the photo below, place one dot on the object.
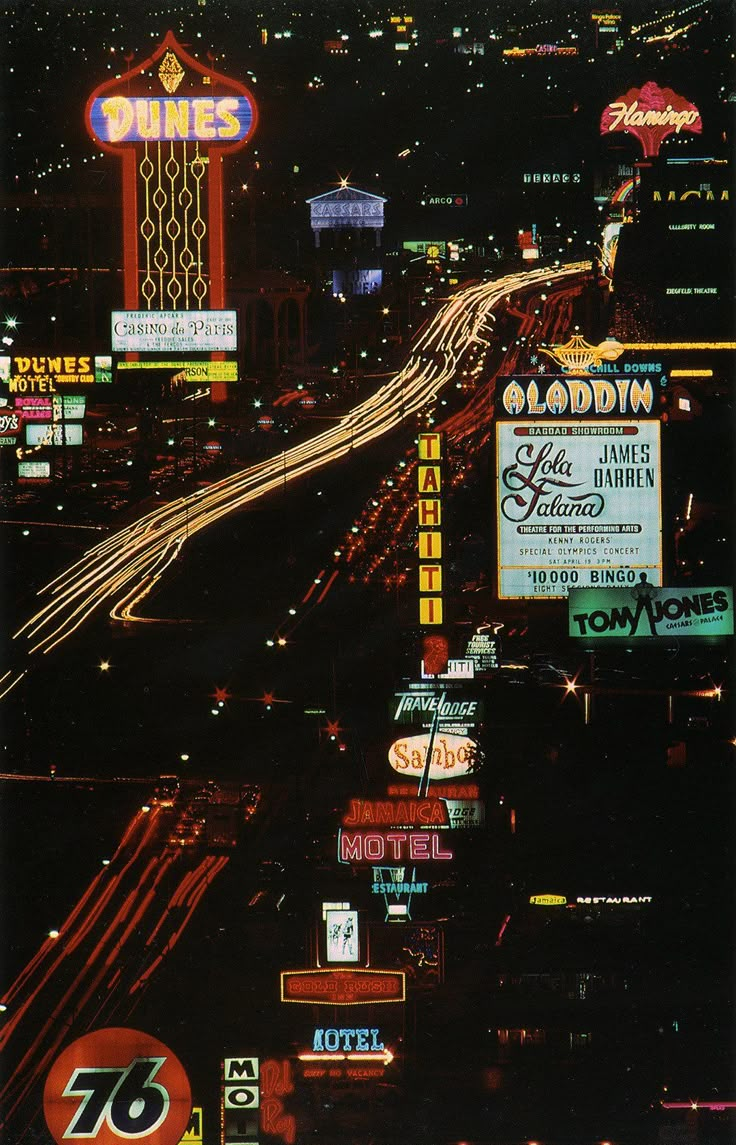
(651, 114)
(545, 397)
(647, 611)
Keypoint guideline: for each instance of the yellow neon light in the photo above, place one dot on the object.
(384, 1056)
(691, 373)
(678, 345)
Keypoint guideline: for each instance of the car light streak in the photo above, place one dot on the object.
(123, 569)
(83, 988)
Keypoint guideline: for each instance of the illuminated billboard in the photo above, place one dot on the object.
(54, 407)
(43, 373)
(60, 433)
(452, 756)
(432, 248)
(429, 509)
(466, 813)
(10, 426)
(79, 1098)
(341, 927)
(426, 704)
(648, 612)
(483, 650)
(343, 987)
(161, 331)
(578, 502)
(651, 113)
(34, 470)
(183, 371)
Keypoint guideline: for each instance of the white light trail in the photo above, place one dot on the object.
(123, 569)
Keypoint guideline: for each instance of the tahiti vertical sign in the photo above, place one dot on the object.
(430, 529)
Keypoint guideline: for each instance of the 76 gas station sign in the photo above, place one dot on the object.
(117, 1085)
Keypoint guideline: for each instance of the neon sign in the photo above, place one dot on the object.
(404, 812)
(613, 900)
(362, 1040)
(42, 373)
(651, 114)
(276, 1082)
(396, 887)
(548, 900)
(343, 987)
(170, 119)
(452, 755)
(376, 846)
(121, 120)
(413, 705)
(430, 533)
(547, 397)
(459, 791)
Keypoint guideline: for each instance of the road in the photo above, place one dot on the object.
(95, 968)
(121, 571)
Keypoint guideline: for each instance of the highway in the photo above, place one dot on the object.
(121, 571)
(96, 967)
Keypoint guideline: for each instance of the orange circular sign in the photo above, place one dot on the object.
(114, 1086)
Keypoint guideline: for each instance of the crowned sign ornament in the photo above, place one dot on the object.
(170, 72)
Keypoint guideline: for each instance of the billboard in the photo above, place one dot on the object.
(34, 470)
(646, 612)
(163, 331)
(101, 1088)
(184, 371)
(43, 373)
(55, 407)
(578, 505)
(341, 928)
(428, 704)
(452, 756)
(60, 433)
